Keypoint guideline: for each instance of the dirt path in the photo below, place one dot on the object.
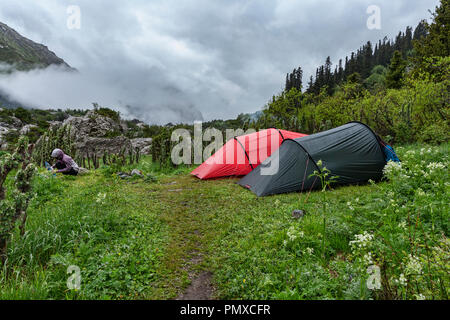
(200, 288)
(188, 275)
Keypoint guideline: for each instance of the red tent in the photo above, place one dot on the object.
(242, 154)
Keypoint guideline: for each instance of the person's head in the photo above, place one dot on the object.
(58, 154)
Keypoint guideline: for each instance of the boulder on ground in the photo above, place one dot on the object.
(136, 172)
(296, 214)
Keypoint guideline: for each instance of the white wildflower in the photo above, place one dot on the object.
(392, 167)
(420, 297)
(413, 266)
(101, 197)
(401, 280)
(420, 192)
(393, 203)
(435, 166)
(367, 259)
(349, 204)
(402, 225)
(361, 240)
(293, 234)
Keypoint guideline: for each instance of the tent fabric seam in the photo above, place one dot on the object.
(282, 137)
(248, 158)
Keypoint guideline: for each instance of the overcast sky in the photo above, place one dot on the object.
(186, 60)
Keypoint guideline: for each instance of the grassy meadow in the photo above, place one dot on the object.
(145, 238)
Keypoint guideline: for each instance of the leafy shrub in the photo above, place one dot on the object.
(106, 112)
(23, 115)
(435, 133)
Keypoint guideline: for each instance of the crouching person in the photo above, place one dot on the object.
(64, 164)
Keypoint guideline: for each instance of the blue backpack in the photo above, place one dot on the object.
(389, 154)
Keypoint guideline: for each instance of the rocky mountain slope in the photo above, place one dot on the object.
(23, 53)
(20, 53)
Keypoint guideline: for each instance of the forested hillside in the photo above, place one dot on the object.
(399, 87)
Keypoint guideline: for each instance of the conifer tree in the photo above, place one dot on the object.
(394, 77)
(437, 41)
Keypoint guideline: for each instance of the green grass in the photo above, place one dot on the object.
(99, 224)
(144, 238)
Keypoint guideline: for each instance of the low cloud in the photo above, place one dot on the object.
(184, 60)
(152, 99)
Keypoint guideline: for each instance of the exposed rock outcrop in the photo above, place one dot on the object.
(91, 134)
(143, 144)
(93, 125)
(27, 128)
(13, 125)
(5, 128)
(89, 146)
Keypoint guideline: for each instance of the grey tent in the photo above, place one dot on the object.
(351, 152)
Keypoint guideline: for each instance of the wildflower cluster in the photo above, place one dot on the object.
(414, 262)
(293, 234)
(413, 265)
(392, 168)
(362, 241)
(362, 248)
(101, 198)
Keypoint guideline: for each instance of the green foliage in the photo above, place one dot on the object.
(437, 41)
(151, 131)
(12, 137)
(23, 115)
(103, 226)
(14, 207)
(436, 69)
(325, 176)
(56, 137)
(354, 78)
(377, 79)
(418, 111)
(396, 72)
(162, 148)
(106, 112)
(435, 133)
